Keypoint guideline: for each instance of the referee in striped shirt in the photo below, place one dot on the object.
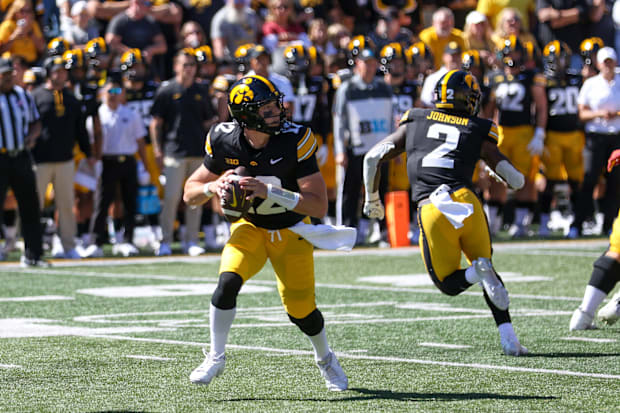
(19, 128)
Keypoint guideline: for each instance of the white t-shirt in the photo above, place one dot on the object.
(597, 93)
(121, 130)
(426, 96)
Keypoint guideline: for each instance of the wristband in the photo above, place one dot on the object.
(284, 197)
(206, 191)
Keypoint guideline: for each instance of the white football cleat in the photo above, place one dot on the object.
(210, 368)
(512, 347)
(492, 285)
(610, 313)
(92, 251)
(581, 321)
(193, 250)
(334, 376)
(125, 249)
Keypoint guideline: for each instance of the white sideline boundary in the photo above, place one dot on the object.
(345, 355)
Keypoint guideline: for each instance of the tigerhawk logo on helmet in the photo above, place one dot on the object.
(247, 96)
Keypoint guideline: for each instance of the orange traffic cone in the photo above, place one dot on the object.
(397, 218)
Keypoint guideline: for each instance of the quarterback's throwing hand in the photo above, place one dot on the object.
(373, 207)
(614, 160)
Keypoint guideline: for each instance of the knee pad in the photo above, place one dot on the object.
(606, 274)
(311, 325)
(225, 295)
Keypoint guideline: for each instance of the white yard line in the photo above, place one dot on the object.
(132, 356)
(343, 355)
(590, 340)
(444, 345)
(200, 279)
(10, 366)
(36, 298)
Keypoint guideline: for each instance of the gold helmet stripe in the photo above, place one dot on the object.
(266, 81)
(444, 85)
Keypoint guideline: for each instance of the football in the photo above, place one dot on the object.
(234, 203)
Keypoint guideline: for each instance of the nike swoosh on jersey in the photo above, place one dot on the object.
(275, 161)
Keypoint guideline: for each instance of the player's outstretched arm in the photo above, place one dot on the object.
(501, 165)
(202, 185)
(387, 149)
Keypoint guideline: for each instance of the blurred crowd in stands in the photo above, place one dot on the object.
(126, 92)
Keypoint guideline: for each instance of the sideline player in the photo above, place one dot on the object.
(563, 153)
(290, 189)
(514, 90)
(443, 146)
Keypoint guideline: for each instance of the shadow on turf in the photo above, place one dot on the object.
(370, 394)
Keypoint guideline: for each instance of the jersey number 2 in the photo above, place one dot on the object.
(436, 158)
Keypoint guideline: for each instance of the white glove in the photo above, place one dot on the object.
(321, 155)
(373, 207)
(537, 144)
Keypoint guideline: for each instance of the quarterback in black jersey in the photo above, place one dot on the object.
(286, 188)
(443, 146)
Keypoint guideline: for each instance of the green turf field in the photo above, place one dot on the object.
(124, 336)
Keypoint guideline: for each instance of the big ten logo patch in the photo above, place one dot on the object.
(232, 161)
(374, 126)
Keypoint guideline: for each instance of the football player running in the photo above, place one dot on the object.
(562, 156)
(289, 191)
(514, 91)
(443, 146)
(605, 275)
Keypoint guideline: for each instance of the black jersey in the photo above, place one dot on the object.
(287, 157)
(311, 103)
(404, 97)
(513, 96)
(443, 148)
(563, 112)
(86, 93)
(141, 101)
